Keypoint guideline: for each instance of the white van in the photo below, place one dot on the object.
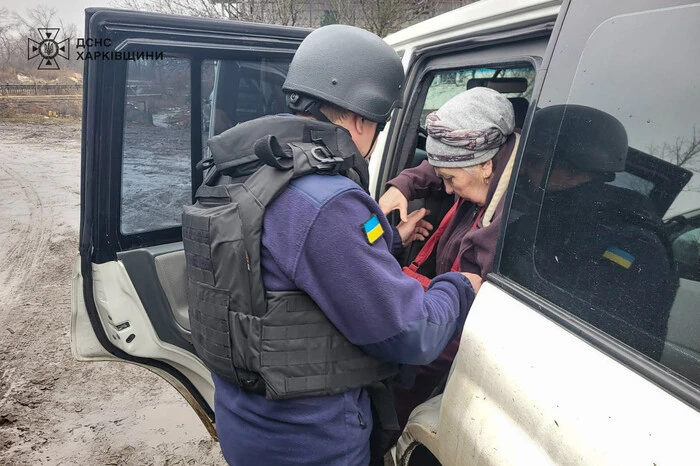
(556, 365)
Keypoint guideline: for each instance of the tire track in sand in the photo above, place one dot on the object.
(28, 241)
(21, 252)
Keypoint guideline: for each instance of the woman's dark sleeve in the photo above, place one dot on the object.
(418, 182)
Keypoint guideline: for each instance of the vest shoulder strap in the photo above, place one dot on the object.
(281, 166)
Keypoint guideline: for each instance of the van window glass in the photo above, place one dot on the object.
(516, 82)
(208, 80)
(156, 145)
(605, 220)
(234, 91)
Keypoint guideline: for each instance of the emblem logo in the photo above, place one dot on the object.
(49, 48)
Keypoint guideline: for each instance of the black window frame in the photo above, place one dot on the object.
(196, 38)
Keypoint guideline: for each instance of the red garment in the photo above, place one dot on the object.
(427, 249)
(428, 377)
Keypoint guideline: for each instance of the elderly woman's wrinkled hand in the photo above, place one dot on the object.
(414, 228)
(393, 199)
(474, 279)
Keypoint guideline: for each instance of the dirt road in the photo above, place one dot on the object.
(54, 410)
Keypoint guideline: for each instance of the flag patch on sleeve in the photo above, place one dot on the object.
(373, 229)
(618, 256)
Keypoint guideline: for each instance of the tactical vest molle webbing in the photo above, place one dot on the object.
(279, 344)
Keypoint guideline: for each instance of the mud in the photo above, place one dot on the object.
(54, 410)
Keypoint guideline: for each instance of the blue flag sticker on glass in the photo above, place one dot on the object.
(373, 229)
(618, 256)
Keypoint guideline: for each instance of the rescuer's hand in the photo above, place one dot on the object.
(414, 228)
(392, 200)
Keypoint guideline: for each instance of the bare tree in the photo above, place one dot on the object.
(383, 17)
(287, 12)
(6, 37)
(70, 32)
(346, 12)
(681, 152)
(386, 16)
(379, 16)
(16, 28)
(41, 16)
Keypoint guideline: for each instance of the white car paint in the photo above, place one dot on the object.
(524, 390)
(118, 303)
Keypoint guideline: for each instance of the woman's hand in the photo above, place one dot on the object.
(392, 200)
(474, 279)
(414, 228)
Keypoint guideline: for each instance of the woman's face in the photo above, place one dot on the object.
(468, 184)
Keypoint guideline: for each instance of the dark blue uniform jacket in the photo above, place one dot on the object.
(313, 240)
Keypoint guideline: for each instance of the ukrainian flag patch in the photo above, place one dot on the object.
(373, 229)
(618, 256)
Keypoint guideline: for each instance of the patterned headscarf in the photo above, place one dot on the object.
(469, 128)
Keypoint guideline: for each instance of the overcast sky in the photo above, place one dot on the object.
(70, 11)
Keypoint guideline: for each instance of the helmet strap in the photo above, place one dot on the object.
(380, 127)
(315, 109)
(299, 103)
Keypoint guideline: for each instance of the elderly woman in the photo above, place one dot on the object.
(471, 148)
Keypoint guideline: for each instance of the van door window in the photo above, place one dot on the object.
(515, 82)
(234, 91)
(157, 142)
(604, 222)
(156, 145)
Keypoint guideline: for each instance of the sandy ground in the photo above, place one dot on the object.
(54, 410)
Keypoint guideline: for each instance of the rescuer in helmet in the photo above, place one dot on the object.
(301, 382)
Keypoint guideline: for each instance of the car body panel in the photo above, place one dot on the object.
(523, 390)
(533, 384)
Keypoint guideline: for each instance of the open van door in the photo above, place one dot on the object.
(156, 87)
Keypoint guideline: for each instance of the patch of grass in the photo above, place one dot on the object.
(21, 108)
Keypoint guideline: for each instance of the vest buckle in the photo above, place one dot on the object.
(325, 158)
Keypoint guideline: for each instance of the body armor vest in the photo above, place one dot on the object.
(279, 344)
